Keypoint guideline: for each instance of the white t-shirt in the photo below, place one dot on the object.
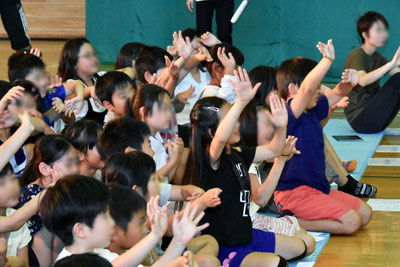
(160, 153)
(254, 169)
(17, 239)
(103, 252)
(226, 91)
(183, 117)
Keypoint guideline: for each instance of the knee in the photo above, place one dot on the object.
(207, 260)
(366, 214)
(352, 222)
(309, 240)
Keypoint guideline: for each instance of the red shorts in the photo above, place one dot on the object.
(311, 204)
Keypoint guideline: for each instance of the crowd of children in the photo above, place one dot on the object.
(205, 143)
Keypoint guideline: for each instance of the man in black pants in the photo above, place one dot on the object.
(14, 22)
(204, 15)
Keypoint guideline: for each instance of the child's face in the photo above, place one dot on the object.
(40, 78)
(101, 233)
(29, 103)
(66, 165)
(265, 129)
(120, 100)
(153, 187)
(88, 63)
(137, 229)
(235, 136)
(377, 34)
(94, 159)
(146, 147)
(9, 191)
(161, 115)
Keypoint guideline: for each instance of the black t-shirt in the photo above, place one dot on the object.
(360, 96)
(230, 222)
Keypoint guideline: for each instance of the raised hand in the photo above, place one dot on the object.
(211, 197)
(189, 4)
(228, 61)
(396, 58)
(327, 50)
(350, 76)
(172, 51)
(25, 119)
(278, 115)
(158, 218)
(73, 105)
(58, 105)
(244, 90)
(184, 96)
(289, 148)
(34, 51)
(186, 228)
(209, 39)
(182, 45)
(13, 94)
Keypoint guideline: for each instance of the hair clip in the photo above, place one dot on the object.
(212, 109)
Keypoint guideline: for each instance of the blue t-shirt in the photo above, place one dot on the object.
(308, 168)
(52, 93)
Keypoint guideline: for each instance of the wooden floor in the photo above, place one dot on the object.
(378, 244)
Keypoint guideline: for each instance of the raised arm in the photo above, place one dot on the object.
(349, 80)
(309, 86)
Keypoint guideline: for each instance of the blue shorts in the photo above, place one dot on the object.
(261, 242)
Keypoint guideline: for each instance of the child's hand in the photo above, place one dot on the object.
(171, 68)
(209, 39)
(203, 54)
(290, 148)
(396, 58)
(191, 192)
(55, 81)
(182, 45)
(228, 61)
(243, 87)
(327, 50)
(186, 228)
(179, 142)
(58, 105)
(73, 105)
(172, 51)
(157, 81)
(211, 197)
(158, 218)
(7, 119)
(184, 96)
(34, 51)
(13, 94)
(278, 115)
(344, 102)
(189, 4)
(25, 120)
(173, 150)
(350, 76)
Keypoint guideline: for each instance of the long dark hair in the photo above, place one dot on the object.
(69, 57)
(248, 122)
(266, 75)
(48, 149)
(204, 122)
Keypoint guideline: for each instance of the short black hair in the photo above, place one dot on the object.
(83, 260)
(120, 134)
(133, 168)
(265, 75)
(6, 170)
(127, 54)
(84, 134)
(191, 33)
(294, 71)
(365, 22)
(73, 199)
(20, 65)
(31, 89)
(109, 83)
(236, 53)
(151, 59)
(124, 203)
(148, 96)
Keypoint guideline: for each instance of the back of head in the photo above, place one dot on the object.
(83, 260)
(120, 134)
(127, 54)
(204, 121)
(151, 59)
(20, 65)
(48, 149)
(133, 168)
(365, 22)
(147, 96)
(265, 75)
(236, 53)
(69, 57)
(84, 134)
(294, 71)
(110, 82)
(73, 199)
(124, 203)
(191, 33)
(248, 122)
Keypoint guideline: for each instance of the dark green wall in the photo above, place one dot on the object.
(268, 31)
